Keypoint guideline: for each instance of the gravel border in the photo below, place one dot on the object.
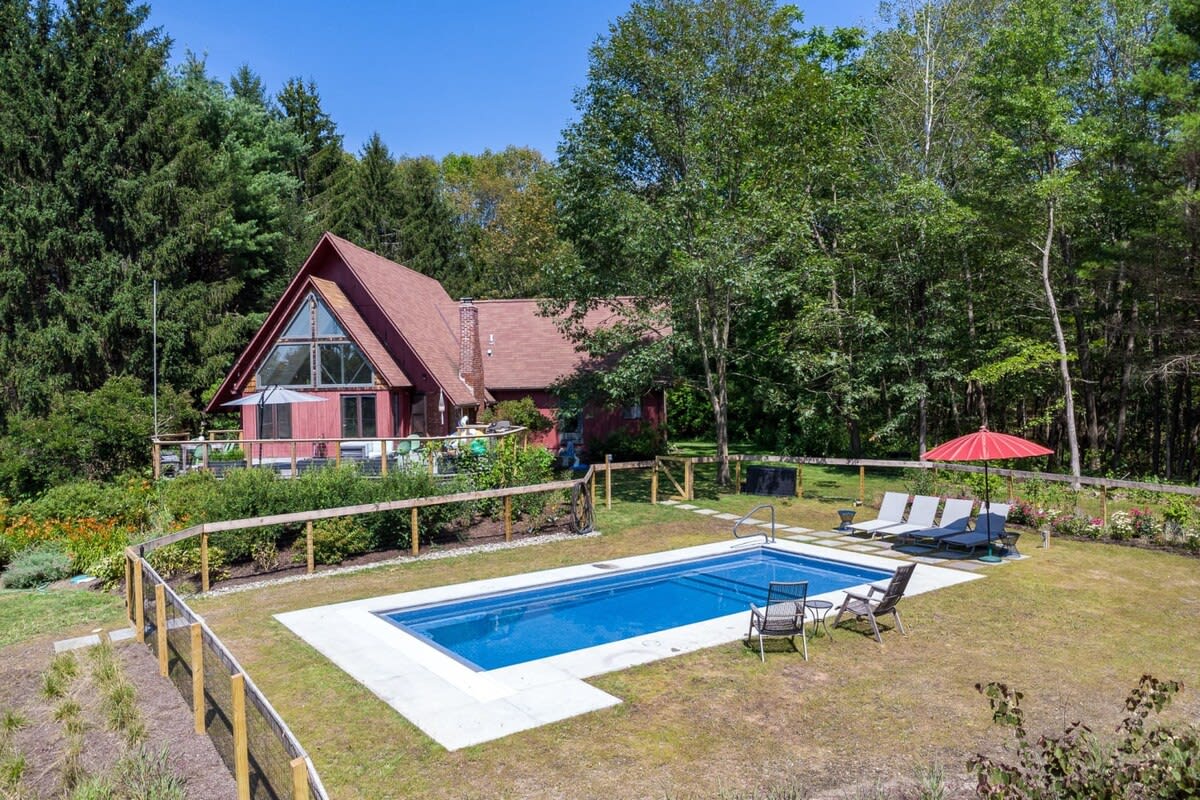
(433, 556)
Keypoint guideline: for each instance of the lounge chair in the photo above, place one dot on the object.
(783, 615)
(891, 512)
(878, 601)
(991, 519)
(920, 517)
(955, 517)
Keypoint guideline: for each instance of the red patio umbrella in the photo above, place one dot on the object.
(984, 445)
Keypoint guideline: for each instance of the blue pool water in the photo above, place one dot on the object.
(499, 630)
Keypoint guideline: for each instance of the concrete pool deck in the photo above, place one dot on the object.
(457, 706)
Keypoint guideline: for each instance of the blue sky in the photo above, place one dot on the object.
(431, 77)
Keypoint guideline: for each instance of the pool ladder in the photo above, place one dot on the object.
(769, 537)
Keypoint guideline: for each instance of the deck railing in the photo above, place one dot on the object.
(219, 451)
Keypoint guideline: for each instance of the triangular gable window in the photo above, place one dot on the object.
(302, 361)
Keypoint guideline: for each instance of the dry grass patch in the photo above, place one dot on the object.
(1073, 627)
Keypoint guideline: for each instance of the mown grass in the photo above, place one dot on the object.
(1073, 626)
(27, 614)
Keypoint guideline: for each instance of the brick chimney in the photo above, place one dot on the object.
(470, 354)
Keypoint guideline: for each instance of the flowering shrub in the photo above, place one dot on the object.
(1144, 525)
(1023, 512)
(1077, 525)
(1120, 526)
(85, 540)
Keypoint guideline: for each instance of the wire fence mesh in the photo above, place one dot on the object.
(271, 747)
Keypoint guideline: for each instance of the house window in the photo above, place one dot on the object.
(416, 415)
(275, 421)
(632, 412)
(358, 416)
(314, 350)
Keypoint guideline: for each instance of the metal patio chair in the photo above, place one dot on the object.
(783, 615)
(878, 601)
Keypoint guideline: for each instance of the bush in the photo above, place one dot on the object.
(191, 498)
(328, 487)
(1023, 512)
(639, 444)
(1077, 525)
(523, 412)
(84, 540)
(1159, 762)
(6, 551)
(335, 540)
(183, 558)
(124, 502)
(36, 566)
(395, 527)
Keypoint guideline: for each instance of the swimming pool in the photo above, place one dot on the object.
(499, 630)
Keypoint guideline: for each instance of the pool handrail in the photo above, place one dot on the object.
(770, 538)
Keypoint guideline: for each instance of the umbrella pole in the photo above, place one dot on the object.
(987, 519)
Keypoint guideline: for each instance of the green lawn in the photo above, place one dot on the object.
(1073, 626)
(26, 614)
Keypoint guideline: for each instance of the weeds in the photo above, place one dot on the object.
(120, 707)
(57, 679)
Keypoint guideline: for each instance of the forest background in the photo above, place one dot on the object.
(985, 212)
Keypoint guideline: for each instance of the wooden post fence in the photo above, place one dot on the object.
(1103, 500)
(737, 477)
(608, 481)
(800, 481)
(299, 779)
(204, 577)
(689, 479)
(507, 518)
(416, 533)
(241, 742)
(160, 625)
(198, 677)
(654, 483)
(862, 485)
(139, 601)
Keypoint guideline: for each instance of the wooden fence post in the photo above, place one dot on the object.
(416, 533)
(308, 546)
(862, 485)
(204, 577)
(608, 481)
(593, 489)
(654, 483)
(1011, 496)
(800, 480)
(139, 601)
(160, 625)
(128, 588)
(508, 518)
(688, 477)
(1104, 502)
(158, 460)
(241, 744)
(299, 779)
(197, 677)
(383, 457)
(294, 467)
(737, 477)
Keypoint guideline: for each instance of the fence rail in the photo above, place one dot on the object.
(264, 756)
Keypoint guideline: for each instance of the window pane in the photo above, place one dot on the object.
(286, 365)
(349, 417)
(367, 410)
(275, 422)
(344, 365)
(326, 324)
(301, 325)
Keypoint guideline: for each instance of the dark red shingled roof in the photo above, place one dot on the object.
(521, 348)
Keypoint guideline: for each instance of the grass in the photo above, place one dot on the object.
(28, 614)
(1073, 627)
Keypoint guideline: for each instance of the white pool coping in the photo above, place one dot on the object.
(458, 707)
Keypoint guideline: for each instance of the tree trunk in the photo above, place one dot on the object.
(713, 338)
(1063, 363)
(1126, 380)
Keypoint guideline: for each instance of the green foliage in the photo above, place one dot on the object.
(335, 540)
(523, 412)
(639, 443)
(183, 558)
(1163, 761)
(36, 566)
(124, 502)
